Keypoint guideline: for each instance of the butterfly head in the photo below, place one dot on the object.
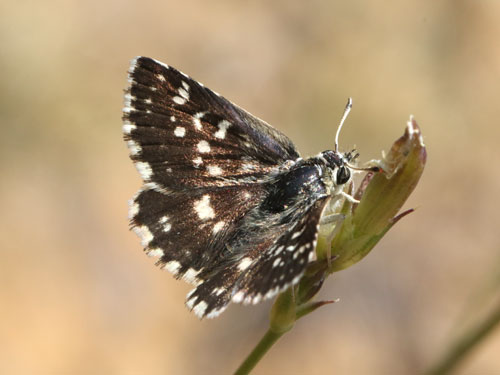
(336, 161)
(338, 164)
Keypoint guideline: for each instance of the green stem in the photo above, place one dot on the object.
(466, 343)
(258, 352)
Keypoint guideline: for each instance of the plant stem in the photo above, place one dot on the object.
(466, 343)
(258, 352)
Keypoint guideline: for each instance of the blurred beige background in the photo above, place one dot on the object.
(78, 296)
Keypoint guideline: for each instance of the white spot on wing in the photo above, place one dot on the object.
(200, 309)
(161, 77)
(190, 302)
(196, 120)
(172, 118)
(128, 127)
(133, 209)
(271, 293)
(180, 131)
(223, 126)
(128, 99)
(144, 169)
(214, 170)
(257, 299)
(166, 225)
(279, 250)
(218, 291)
(134, 148)
(298, 233)
(183, 93)
(244, 263)
(172, 266)
(157, 253)
(203, 208)
(144, 234)
(197, 162)
(238, 297)
(133, 64)
(203, 147)
(179, 100)
(216, 312)
(218, 227)
(190, 276)
(276, 262)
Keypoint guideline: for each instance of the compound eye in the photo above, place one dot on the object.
(343, 175)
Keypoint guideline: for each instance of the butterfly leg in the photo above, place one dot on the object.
(350, 198)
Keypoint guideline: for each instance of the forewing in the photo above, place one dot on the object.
(182, 135)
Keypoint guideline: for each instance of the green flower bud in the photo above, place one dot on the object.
(381, 197)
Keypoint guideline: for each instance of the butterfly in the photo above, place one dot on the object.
(227, 202)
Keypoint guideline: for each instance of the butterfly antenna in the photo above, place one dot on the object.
(344, 116)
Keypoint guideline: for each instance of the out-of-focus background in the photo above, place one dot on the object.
(78, 296)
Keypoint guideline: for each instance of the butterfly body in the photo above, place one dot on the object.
(227, 202)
